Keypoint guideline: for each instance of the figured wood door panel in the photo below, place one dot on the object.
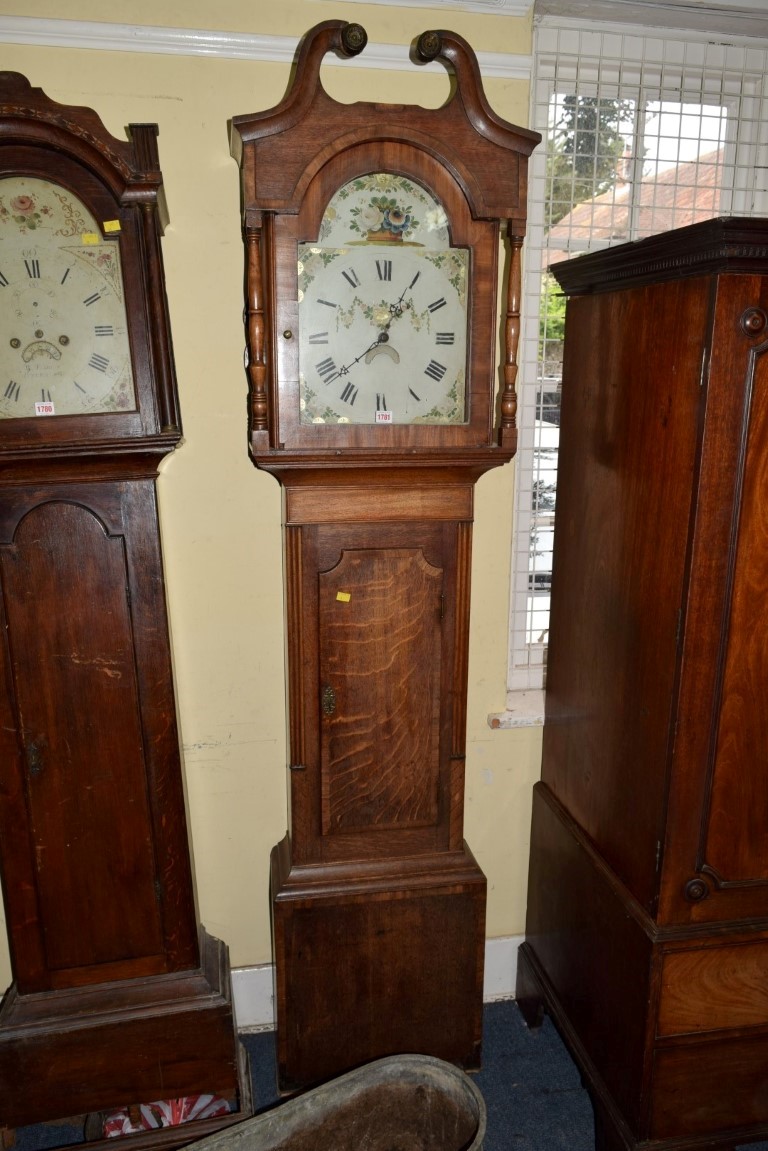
(74, 682)
(628, 461)
(380, 673)
(737, 818)
(376, 620)
(711, 868)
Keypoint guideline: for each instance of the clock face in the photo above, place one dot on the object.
(383, 310)
(64, 346)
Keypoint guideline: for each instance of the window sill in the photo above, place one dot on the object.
(524, 709)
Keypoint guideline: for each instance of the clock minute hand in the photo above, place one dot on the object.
(380, 339)
(395, 310)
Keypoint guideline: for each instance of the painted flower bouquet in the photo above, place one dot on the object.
(383, 220)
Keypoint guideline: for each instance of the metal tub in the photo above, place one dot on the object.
(402, 1103)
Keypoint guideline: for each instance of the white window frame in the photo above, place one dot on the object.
(737, 68)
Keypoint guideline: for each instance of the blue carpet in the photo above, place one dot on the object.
(531, 1087)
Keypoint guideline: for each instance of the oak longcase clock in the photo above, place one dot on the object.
(118, 996)
(372, 238)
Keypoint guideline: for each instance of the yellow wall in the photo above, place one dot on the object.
(220, 516)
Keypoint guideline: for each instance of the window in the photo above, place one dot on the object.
(640, 134)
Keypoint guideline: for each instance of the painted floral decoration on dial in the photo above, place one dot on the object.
(383, 220)
(64, 347)
(382, 309)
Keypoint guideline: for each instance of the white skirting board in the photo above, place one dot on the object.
(254, 1000)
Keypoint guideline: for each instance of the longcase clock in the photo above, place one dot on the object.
(372, 237)
(118, 997)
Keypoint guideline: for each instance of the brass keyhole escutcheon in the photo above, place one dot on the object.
(328, 700)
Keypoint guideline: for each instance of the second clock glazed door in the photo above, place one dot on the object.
(381, 604)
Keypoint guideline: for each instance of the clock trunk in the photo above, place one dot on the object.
(378, 904)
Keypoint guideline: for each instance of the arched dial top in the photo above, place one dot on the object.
(64, 346)
(84, 326)
(382, 309)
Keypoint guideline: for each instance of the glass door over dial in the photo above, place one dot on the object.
(383, 309)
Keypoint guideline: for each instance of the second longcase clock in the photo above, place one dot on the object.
(119, 997)
(373, 241)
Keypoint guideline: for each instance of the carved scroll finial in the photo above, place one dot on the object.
(339, 36)
(353, 39)
(428, 46)
(511, 344)
(454, 51)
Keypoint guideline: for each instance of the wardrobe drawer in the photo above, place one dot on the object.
(701, 1088)
(714, 988)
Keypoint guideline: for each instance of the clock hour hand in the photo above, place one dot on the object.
(396, 310)
(379, 344)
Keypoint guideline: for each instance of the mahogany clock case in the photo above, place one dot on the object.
(378, 905)
(119, 996)
(481, 238)
(647, 932)
(294, 158)
(121, 185)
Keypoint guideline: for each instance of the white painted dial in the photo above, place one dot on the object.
(382, 334)
(64, 346)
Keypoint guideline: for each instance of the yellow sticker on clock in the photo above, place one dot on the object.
(343, 596)
(111, 225)
(90, 237)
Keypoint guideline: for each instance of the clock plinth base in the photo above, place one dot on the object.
(376, 959)
(105, 1046)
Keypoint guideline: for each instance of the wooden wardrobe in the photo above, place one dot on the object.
(647, 933)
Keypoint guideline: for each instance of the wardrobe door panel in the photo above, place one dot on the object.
(737, 816)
